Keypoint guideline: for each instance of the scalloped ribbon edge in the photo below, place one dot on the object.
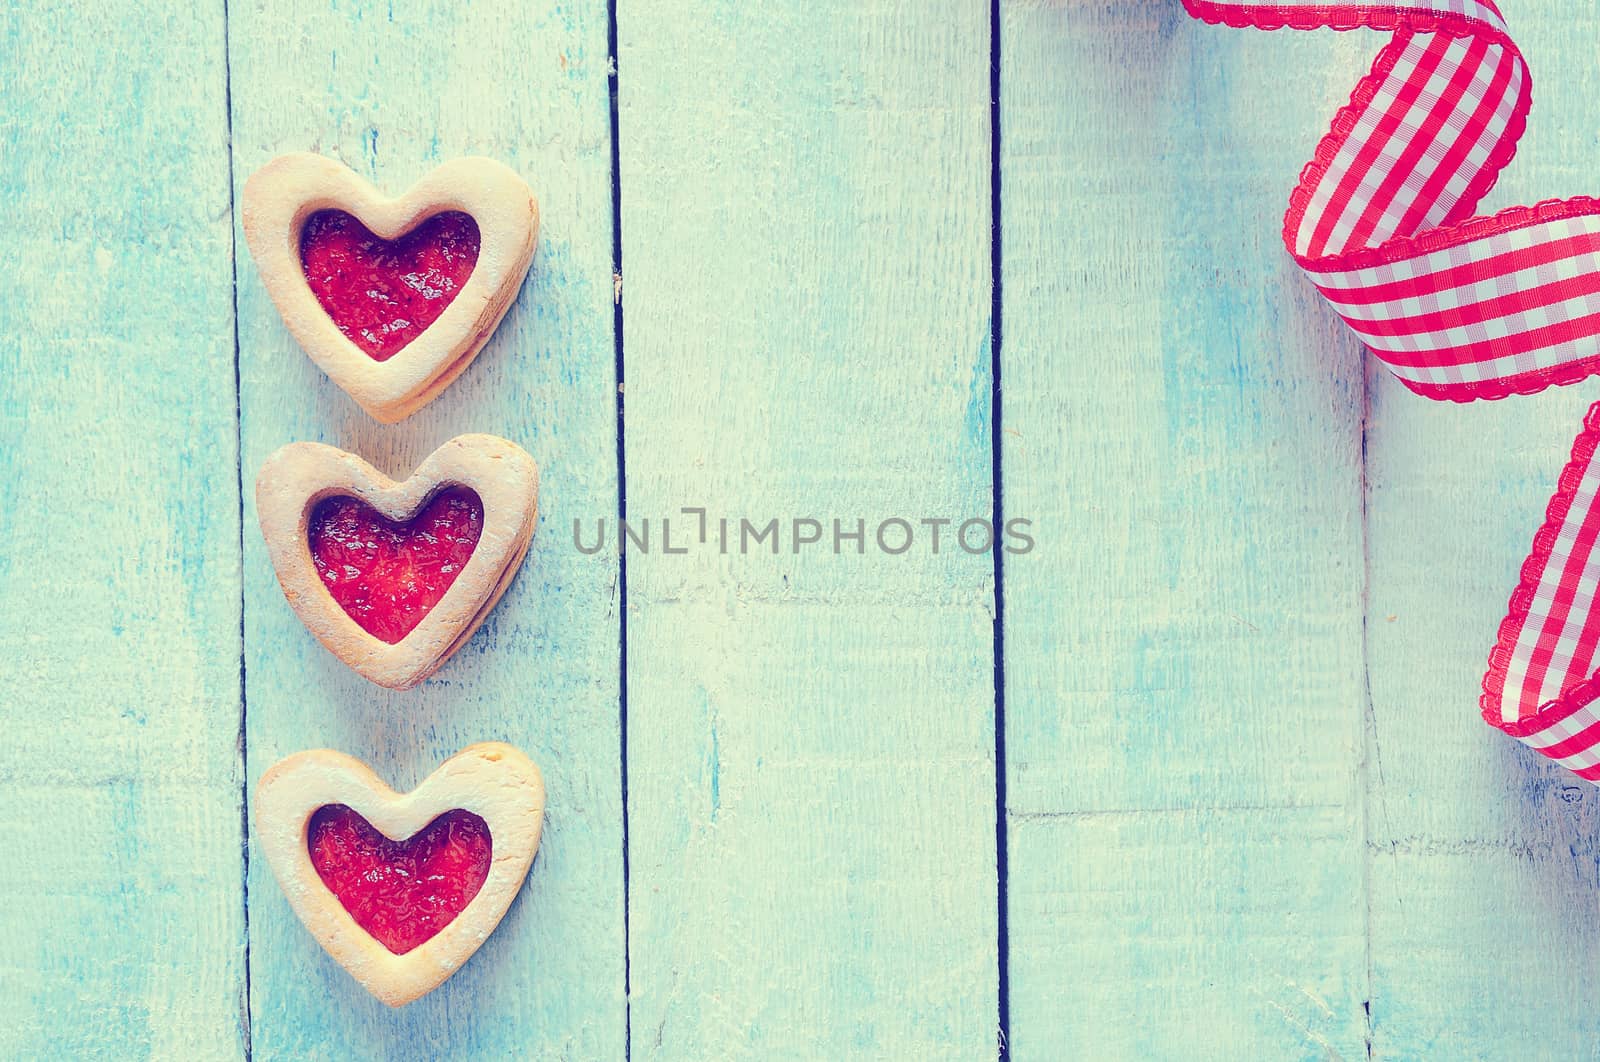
(1460, 227)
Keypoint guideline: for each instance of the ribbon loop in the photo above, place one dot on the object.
(1461, 307)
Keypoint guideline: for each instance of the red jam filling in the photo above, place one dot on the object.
(388, 575)
(402, 892)
(383, 293)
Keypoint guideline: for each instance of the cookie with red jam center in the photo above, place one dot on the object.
(388, 574)
(392, 577)
(382, 294)
(401, 889)
(401, 892)
(391, 297)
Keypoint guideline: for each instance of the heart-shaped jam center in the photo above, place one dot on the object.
(402, 892)
(383, 293)
(387, 575)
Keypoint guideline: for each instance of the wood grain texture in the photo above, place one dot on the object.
(1484, 863)
(806, 261)
(123, 927)
(1252, 812)
(1184, 653)
(392, 93)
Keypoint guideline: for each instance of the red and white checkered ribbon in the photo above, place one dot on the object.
(1462, 307)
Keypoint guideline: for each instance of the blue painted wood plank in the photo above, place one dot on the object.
(1484, 865)
(393, 92)
(1184, 651)
(806, 258)
(123, 925)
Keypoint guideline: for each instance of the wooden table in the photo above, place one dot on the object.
(1226, 707)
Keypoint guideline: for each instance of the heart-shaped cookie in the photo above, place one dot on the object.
(392, 298)
(394, 577)
(401, 889)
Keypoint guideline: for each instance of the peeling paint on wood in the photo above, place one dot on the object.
(123, 923)
(1184, 661)
(1251, 810)
(806, 242)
